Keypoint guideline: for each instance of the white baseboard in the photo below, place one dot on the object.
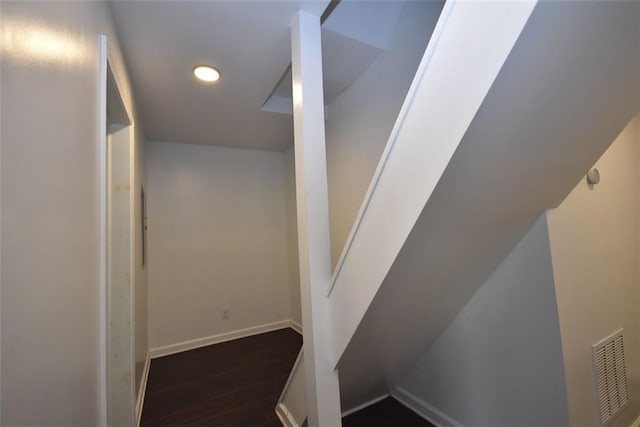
(365, 405)
(216, 339)
(143, 389)
(425, 410)
(285, 417)
(295, 326)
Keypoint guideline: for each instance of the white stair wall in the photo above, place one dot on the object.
(568, 87)
(467, 49)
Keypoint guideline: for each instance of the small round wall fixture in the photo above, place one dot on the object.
(593, 176)
(206, 73)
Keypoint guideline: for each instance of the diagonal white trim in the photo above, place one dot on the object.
(285, 417)
(290, 378)
(390, 145)
(364, 405)
(424, 409)
(143, 389)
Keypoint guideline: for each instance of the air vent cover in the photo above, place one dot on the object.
(610, 376)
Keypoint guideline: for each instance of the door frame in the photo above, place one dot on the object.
(111, 107)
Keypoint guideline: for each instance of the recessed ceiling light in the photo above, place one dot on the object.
(206, 73)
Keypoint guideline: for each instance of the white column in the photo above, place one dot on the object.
(322, 387)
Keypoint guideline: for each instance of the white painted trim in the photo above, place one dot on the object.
(314, 247)
(424, 409)
(476, 40)
(102, 231)
(143, 389)
(636, 423)
(216, 339)
(0, 274)
(291, 374)
(133, 277)
(285, 417)
(437, 33)
(296, 326)
(1, 382)
(365, 405)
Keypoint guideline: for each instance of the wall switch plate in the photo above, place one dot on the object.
(226, 313)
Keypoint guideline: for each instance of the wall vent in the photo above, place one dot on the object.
(610, 377)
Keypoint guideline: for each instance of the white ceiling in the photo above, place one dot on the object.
(249, 41)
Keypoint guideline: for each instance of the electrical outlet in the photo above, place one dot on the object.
(226, 313)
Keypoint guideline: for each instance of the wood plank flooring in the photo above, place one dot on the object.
(386, 413)
(237, 384)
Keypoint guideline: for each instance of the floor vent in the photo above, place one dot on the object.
(610, 376)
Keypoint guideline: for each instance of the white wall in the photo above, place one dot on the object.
(292, 236)
(499, 363)
(217, 239)
(594, 244)
(360, 119)
(49, 144)
(588, 262)
(120, 359)
(141, 316)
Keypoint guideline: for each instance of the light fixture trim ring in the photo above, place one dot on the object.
(206, 73)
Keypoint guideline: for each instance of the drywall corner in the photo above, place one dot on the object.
(507, 335)
(594, 245)
(292, 236)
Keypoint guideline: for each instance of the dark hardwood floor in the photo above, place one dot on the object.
(237, 384)
(386, 413)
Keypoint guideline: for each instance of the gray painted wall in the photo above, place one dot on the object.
(500, 362)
